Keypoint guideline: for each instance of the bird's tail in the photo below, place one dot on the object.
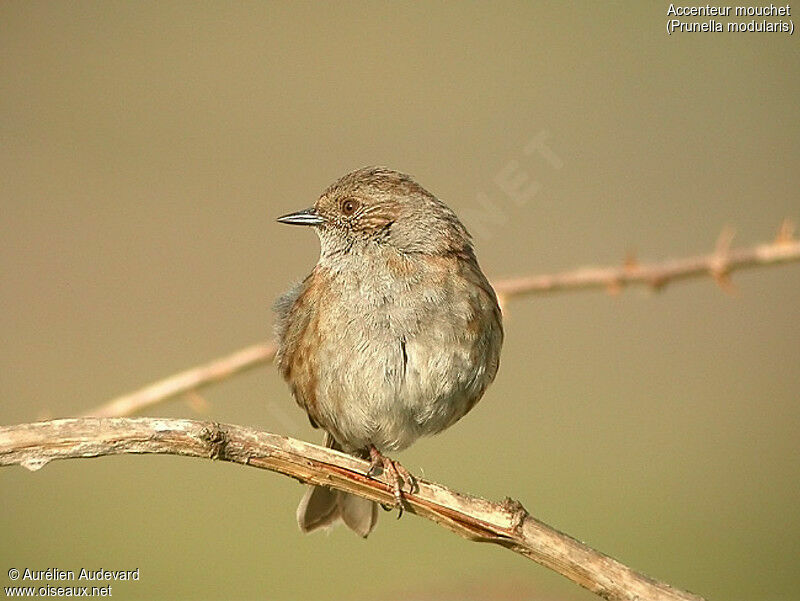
(322, 507)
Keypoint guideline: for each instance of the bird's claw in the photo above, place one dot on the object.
(398, 476)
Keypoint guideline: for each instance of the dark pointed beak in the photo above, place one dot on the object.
(305, 217)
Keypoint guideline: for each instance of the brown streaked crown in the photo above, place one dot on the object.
(385, 206)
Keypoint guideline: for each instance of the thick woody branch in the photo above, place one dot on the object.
(718, 265)
(506, 524)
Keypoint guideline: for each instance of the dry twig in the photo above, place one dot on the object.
(186, 381)
(718, 265)
(507, 524)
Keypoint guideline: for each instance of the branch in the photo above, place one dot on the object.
(507, 524)
(719, 265)
(186, 381)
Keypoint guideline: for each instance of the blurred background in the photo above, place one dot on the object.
(147, 148)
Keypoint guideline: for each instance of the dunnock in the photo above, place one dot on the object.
(395, 334)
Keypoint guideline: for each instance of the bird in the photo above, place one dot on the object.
(394, 335)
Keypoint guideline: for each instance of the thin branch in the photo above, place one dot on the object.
(507, 524)
(186, 381)
(719, 265)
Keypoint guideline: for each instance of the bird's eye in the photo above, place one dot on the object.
(349, 206)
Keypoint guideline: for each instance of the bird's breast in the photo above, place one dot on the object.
(403, 348)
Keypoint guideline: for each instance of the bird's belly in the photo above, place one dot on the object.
(387, 392)
(400, 350)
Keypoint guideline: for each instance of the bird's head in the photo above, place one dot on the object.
(379, 206)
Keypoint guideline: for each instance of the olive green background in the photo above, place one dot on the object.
(147, 148)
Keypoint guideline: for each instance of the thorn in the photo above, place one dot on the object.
(657, 283)
(785, 232)
(723, 280)
(724, 240)
(197, 402)
(614, 287)
(718, 269)
(631, 263)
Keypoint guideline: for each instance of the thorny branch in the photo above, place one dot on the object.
(186, 381)
(507, 524)
(718, 265)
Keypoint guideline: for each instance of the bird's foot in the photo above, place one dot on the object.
(399, 476)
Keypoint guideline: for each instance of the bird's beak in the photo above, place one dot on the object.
(304, 217)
